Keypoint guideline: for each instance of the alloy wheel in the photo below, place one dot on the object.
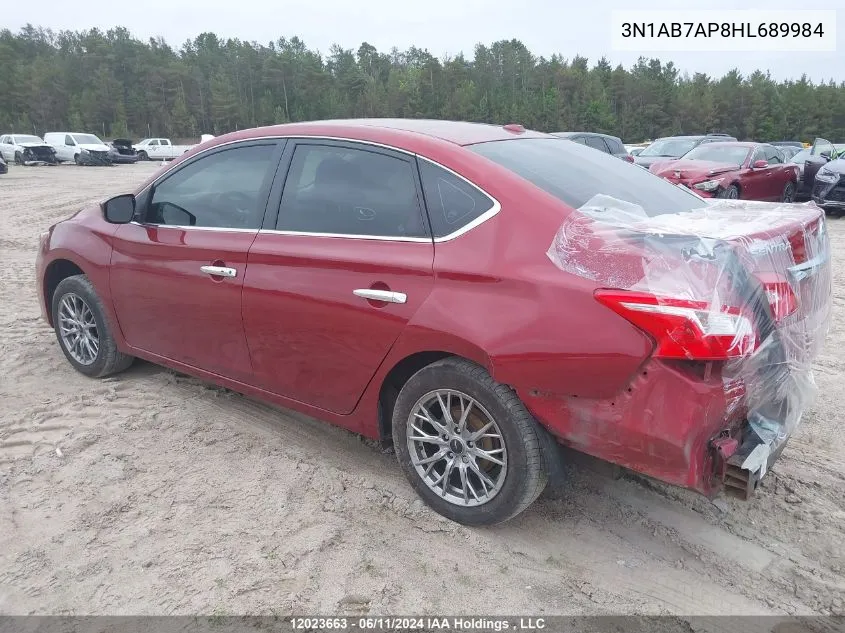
(78, 329)
(457, 448)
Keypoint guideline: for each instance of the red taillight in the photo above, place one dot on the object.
(779, 292)
(799, 247)
(683, 329)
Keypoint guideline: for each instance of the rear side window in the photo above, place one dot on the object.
(615, 145)
(340, 190)
(596, 142)
(574, 174)
(452, 202)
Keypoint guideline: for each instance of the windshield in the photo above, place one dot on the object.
(669, 147)
(86, 139)
(575, 173)
(730, 154)
(27, 138)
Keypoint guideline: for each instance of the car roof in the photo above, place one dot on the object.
(397, 132)
(746, 144)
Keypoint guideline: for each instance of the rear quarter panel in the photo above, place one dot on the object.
(497, 290)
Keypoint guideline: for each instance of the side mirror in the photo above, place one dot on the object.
(120, 209)
(825, 155)
(760, 164)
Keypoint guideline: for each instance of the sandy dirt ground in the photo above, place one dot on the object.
(155, 493)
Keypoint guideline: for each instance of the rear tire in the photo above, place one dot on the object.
(78, 314)
(477, 491)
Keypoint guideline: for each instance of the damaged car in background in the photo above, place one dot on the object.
(122, 151)
(27, 149)
(617, 314)
(829, 187)
(747, 171)
(82, 149)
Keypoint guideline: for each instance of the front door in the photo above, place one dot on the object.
(329, 289)
(757, 181)
(177, 273)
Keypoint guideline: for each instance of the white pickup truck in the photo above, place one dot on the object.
(159, 149)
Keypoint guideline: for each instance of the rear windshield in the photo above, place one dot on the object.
(731, 154)
(574, 173)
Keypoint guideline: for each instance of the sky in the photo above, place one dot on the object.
(444, 27)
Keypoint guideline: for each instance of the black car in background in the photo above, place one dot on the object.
(122, 151)
(820, 154)
(670, 147)
(602, 142)
(4, 169)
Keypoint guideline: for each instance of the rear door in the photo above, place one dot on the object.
(338, 272)
(177, 272)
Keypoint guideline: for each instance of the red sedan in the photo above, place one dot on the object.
(462, 291)
(748, 171)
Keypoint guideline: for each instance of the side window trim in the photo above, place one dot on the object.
(481, 219)
(273, 215)
(146, 196)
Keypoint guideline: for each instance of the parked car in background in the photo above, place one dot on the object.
(674, 147)
(782, 144)
(798, 160)
(122, 151)
(602, 142)
(829, 186)
(82, 149)
(159, 149)
(748, 171)
(340, 250)
(27, 149)
(789, 151)
(821, 152)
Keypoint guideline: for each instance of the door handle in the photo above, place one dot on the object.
(381, 295)
(219, 271)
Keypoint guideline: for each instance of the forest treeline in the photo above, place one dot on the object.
(115, 85)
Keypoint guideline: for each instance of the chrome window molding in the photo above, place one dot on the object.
(221, 229)
(481, 219)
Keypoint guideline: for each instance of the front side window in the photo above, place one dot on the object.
(574, 174)
(339, 190)
(773, 155)
(222, 190)
(759, 154)
(69, 140)
(451, 201)
(153, 142)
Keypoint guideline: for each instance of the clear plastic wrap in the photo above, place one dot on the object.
(744, 284)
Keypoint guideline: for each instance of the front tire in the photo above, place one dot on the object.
(467, 444)
(732, 193)
(18, 158)
(82, 331)
(143, 156)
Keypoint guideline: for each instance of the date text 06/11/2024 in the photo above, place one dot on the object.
(429, 623)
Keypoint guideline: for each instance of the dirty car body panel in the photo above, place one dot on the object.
(318, 314)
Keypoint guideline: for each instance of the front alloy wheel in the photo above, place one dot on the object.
(457, 448)
(78, 329)
(467, 444)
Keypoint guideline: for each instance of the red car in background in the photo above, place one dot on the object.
(734, 170)
(473, 294)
